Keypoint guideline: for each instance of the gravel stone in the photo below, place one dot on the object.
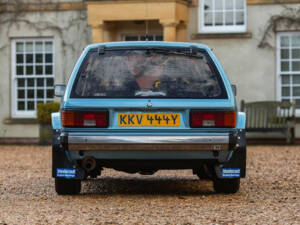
(270, 194)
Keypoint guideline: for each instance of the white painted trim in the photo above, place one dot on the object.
(278, 70)
(23, 113)
(220, 29)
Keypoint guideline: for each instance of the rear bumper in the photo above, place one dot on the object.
(75, 142)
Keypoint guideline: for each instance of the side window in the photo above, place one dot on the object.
(222, 16)
(32, 75)
(288, 67)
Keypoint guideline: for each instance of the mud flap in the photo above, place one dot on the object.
(62, 164)
(235, 167)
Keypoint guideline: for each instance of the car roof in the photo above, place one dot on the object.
(147, 44)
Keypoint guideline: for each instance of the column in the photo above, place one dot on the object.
(181, 32)
(169, 30)
(97, 32)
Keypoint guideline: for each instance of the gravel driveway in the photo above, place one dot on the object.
(269, 195)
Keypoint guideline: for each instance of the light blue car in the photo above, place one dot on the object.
(140, 107)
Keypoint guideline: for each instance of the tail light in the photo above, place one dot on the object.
(84, 119)
(212, 119)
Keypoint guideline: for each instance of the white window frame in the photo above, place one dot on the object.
(224, 28)
(279, 85)
(15, 113)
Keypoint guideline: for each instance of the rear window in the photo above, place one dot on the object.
(145, 73)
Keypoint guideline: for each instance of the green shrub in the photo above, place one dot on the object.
(44, 111)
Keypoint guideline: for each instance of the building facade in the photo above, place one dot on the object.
(257, 42)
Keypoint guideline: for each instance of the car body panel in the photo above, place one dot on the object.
(234, 156)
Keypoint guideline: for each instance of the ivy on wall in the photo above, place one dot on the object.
(288, 20)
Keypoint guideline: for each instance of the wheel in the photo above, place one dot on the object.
(228, 186)
(67, 187)
(203, 172)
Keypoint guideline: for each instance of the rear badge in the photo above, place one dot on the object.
(231, 172)
(65, 172)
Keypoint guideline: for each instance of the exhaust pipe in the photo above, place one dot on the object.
(89, 163)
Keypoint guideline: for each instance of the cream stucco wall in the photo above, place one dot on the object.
(70, 33)
(251, 68)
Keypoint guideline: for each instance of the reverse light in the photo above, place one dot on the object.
(84, 119)
(212, 119)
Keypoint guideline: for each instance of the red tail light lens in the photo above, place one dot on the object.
(212, 119)
(85, 119)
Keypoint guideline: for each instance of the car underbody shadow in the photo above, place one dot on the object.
(148, 185)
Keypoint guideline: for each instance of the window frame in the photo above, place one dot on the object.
(279, 86)
(220, 29)
(15, 113)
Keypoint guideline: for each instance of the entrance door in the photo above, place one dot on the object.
(151, 37)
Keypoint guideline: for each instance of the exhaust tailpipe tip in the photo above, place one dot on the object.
(89, 163)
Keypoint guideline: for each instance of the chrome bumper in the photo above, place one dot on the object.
(205, 143)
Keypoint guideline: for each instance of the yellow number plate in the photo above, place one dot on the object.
(149, 119)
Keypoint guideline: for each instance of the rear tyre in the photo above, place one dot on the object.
(227, 186)
(67, 187)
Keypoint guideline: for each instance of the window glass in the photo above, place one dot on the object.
(222, 16)
(289, 66)
(143, 74)
(33, 75)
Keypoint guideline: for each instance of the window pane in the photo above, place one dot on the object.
(29, 58)
(229, 18)
(219, 4)
(296, 79)
(131, 38)
(284, 53)
(29, 47)
(297, 103)
(48, 46)
(239, 18)
(159, 38)
(218, 18)
(285, 79)
(20, 58)
(284, 41)
(239, 4)
(50, 82)
(30, 93)
(20, 47)
(21, 82)
(228, 4)
(296, 53)
(30, 82)
(20, 70)
(40, 93)
(40, 82)
(296, 41)
(39, 70)
(285, 91)
(296, 91)
(285, 66)
(21, 105)
(30, 105)
(48, 70)
(208, 5)
(208, 18)
(48, 58)
(21, 94)
(29, 70)
(50, 93)
(39, 58)
(296, 66)
(39, 46)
